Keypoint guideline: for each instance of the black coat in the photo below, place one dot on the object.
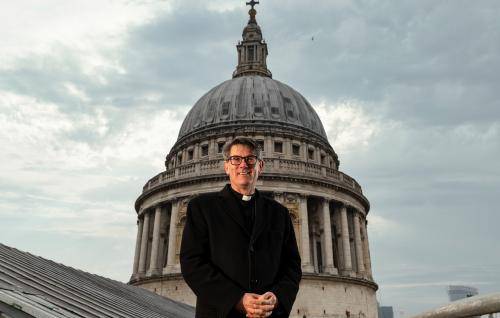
(220, 260)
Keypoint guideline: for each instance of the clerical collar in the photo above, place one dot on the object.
(242, 197)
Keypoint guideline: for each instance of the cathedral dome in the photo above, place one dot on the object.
(252, 99)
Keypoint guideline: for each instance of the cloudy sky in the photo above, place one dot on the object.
(92, 94)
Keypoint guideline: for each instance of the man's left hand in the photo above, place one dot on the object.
(269, 302)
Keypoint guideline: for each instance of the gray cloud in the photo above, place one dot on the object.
(411, 58)
(424, 74)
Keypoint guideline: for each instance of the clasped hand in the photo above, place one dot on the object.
(258, 306)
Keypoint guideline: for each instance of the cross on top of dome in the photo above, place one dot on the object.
(252, 3)
(252, 12)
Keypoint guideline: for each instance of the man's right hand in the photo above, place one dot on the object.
(255, 306)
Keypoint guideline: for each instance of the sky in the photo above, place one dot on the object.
(93, 93)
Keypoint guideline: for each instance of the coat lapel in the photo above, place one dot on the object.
(231, 207)
(260, 217)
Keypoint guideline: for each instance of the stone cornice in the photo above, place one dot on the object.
(339, 278)
(305, 276)
(337, 185)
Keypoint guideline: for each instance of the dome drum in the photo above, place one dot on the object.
(276, 140)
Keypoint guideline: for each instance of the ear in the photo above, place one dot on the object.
(261, 165)
(226, 167)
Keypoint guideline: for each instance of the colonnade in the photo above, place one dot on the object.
(150, 258)
(332, 238)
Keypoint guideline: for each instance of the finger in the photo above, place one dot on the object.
(257, 312)
(270, 297)
(261, 312)
(253, 309)
(262, 301)
(263, 305)
(267, 308)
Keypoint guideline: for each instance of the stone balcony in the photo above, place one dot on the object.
(273, 166)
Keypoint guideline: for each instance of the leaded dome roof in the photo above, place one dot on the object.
(251, 98)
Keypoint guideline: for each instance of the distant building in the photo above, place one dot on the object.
(456, 292)
(385, 312)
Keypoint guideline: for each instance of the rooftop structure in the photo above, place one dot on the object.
(31, 286)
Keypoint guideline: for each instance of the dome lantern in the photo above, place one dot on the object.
(252, 51)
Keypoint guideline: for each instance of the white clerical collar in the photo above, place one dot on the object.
(246, 197)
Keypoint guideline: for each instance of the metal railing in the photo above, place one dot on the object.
(467, 307)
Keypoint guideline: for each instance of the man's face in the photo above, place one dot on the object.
(243, 176)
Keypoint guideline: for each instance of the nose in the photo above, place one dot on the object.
(244, 164)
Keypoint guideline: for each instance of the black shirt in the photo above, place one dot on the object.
(247, 208)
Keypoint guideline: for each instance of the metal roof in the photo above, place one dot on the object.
(31, 286)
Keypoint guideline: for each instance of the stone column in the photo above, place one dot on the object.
(154, 268)
(196, 157)
(313, 247)
(338, 237)
(327, 230)
(346, 247)
(287, 147)
(212, 148)
(304, 236)
(144, 245)
(196, 151)
(137, 248)
(172, 239)
(366, 251)
(358, 246)
(269, 147)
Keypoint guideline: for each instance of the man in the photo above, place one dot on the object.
(238, 253)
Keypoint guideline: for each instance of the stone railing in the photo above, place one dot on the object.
(272, 166)
(468, 307)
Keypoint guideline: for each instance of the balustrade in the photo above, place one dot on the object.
(210, 166)
(272, 165)
(187, 169)
(312, 168)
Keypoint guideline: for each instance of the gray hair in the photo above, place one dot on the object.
(249, 142)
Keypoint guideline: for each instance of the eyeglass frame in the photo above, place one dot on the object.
(241, 159)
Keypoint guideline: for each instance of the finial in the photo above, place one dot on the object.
(252, 3)
(252, 12)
